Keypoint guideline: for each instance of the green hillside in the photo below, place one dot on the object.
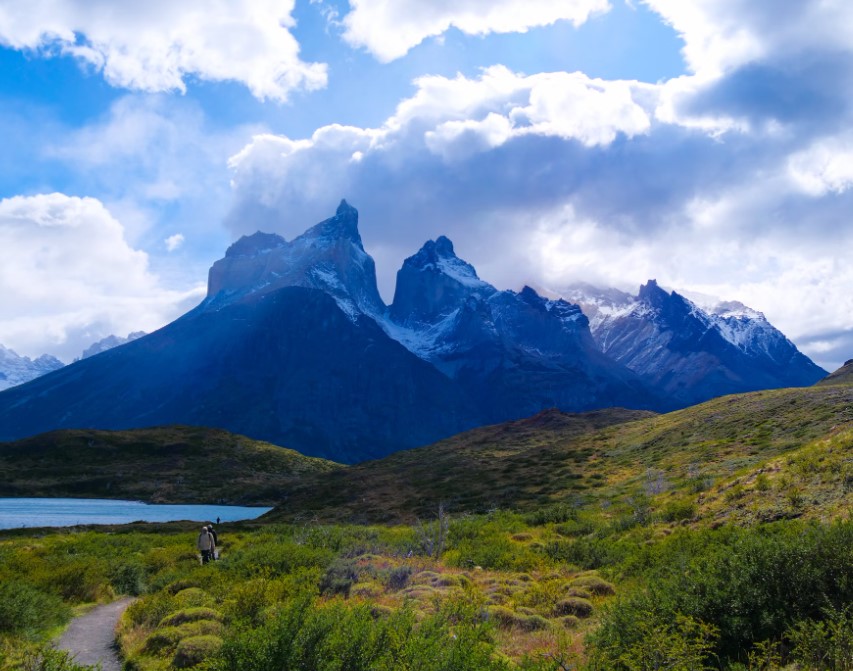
(172, 464)
(714, 538)
(843, 375)
(747, 451)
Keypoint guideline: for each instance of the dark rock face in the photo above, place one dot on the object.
(288, 366)
(517, 353)
(329, 257)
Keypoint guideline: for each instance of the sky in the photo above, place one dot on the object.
(705, 143)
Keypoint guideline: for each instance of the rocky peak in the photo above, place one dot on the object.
(329, 257)
(433, 283)
(651, 294)
(343, 226)
(256, 243)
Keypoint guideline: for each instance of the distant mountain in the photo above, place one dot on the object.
(293, 345)
(109, 342)
(329, 257)
(688, 353)
(516, 352)
(15, 369)
(268, 354)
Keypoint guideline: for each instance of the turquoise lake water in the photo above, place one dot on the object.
(17, 513)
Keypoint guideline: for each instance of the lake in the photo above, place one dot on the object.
(17, 513)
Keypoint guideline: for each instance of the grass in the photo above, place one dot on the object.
(621, 464)
(714, 537)
(173, 464)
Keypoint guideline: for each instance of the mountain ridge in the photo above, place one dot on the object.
(293, 345)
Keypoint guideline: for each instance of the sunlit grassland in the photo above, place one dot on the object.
(717, 537)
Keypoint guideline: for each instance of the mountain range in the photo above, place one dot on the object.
(16, 369)
(294, 345)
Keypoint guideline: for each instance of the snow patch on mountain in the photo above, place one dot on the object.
(16, 369)
(110, 342)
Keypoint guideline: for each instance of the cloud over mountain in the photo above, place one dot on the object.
(67, 266)
(731, 180)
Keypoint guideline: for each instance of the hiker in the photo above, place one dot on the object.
(215, 536)
(217, 521)
(206, 545)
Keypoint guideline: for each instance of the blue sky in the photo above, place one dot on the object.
(706, 143)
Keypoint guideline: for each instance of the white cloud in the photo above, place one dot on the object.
(173, 242)
(156, 162)
(556, 177)
(824, 167)
(721, 35)
(157, 45)
(68, 277)
(390, 29)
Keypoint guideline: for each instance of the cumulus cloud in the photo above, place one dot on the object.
(159, 44)
(158, 164)
(69, 277)
(723, 35)
(390, 29)
(173, 242)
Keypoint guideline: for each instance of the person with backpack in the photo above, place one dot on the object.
(206, 545)
(212, 532)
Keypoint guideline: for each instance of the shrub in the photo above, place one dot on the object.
(573, 605)
(150, 610)
(594, 584)
(162, 639)
(26, 611)
(193, 597)
(676, 511)
(683, 644)
(189, 615)
(748, 584)
(398, 577)
(166, 639)
(195, 650)
(824, 645)
(128, 578)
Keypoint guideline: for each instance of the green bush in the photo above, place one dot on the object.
(573, 605)
(193, 597)
(825, 645)
(27, 611)
(749, 584)
(194, 650)
(683, 644)
(190, 615)
(128, 577)
(338, 637)
(594, 584)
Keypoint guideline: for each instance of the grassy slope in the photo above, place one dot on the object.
(173, 464)
(701, 462)
(843, 375)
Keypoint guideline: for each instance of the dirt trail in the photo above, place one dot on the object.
(89, 638)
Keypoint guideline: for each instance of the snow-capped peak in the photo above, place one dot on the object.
(16, 369)
(328, 256)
